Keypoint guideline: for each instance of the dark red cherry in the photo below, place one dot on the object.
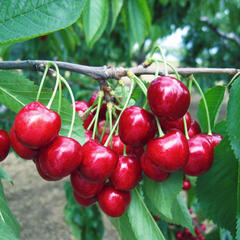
(103, 109)
(21, 150)
(61, 157)
(117, 144)
(168, 98)
(179, 235)
(200, 155)
(127, 174)
(85, 202)
(186, 185)
(98, 162)
(84, 188)
(177, 124)
(4, 144)
(100, 127)
(113, 202)
(152, 170)
(214, 139)
(136, 126)
(36, 126)
(194, 129)
(43, 37)
(137, 151)
(170, 152)
(43, 174)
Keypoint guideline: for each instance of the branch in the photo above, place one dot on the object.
(229, 36)
(107, 72)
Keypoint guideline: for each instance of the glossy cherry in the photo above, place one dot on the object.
(44, 175)
(85, 202)
(214, 139)
(84, 188)
(127, 174)
(177, 124)
(194, 129)
(170, 152)
(98, 162)
(4, 144)
(113, 202)
(21, 150)
(152, 170)
(61, 157)
(168, 98)
(103, 109)
(186, 184)
(36, 126)
(136, 126)
(200, 155)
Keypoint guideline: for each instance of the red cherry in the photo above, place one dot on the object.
(194, 129)
(98, 162)
(178, 235)
(61, 157)
(43, 37)
(85, 202)
(23, 151)
(214, 139)
(152, 170)
(156, 218)
(197, 231)
(137, 151)
(200, 155)
(203, 227)
(168, 98)
(84, 188)
(36, 126)
(43, 174)
(103, 109)
(113, 202)
(178, 124)
(4, 144)
(88, 135)
(100, 127)
(170, 152)
(127, 174)
(190, 211)
(136, 126)
(201, 237)
(186, 185)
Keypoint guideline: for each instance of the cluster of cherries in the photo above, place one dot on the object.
(107, 174)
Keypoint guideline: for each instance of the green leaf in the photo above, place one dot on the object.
(116, 6)
(95, 18)
(9, 227)
(141, 220)
(139, 20)
(217, 188)
(16, 91)
(20, 21)
(214, 97)
(4, 175)
(162, 194)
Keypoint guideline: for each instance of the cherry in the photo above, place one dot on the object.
(214, 139)
(178, 124)
(100, 127)
(61, 157)
(197, 231)
(85, 202)
(23, 151)
(136, 126)
(84, 188)
(203, 227)
(43, 174)
(178, 235)
(127, 174)
(194, 129)
(88, 135)
(113, 202)
(200, 155)
(103, 109)
(156, 218)
(168, 98)
(186, 185)
(98, 162)
(36, 126)
(170, 152)
(152, 170)
(43, 37)
(4, 144)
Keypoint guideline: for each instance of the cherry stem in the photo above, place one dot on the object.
(105, 126)
(86, 113)
(109, 107)
(204, 102)
(123, 89)
(100, 97)
(42, 81)
(139, 82)
(233, 78)
(160, 131)
(73, 104)
(124, 107)
(185, 127)
(190, 85)
(157, 69)
(91, 123)
(124, 150)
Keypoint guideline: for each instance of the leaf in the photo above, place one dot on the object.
(4, 175)
(162, 194)
(141, 220)
(95, 18)
(139, 20)
(217, 188)
(22, 20)
(214, 97)
(116, 6)
(16, 91)
(9, 227)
